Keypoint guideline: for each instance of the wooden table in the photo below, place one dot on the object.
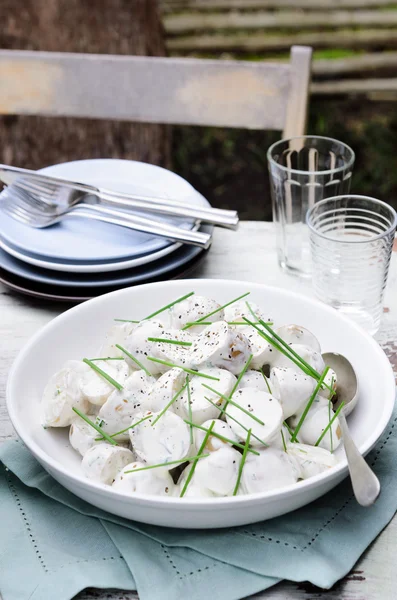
(247, 255)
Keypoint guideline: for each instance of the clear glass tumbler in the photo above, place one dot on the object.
(304, 170)
(351, 239)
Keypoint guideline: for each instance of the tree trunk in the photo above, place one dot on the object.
(96, 26)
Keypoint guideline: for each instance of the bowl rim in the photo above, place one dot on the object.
(195, 503)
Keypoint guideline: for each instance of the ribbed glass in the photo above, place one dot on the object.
(304, 170)
(351, 240)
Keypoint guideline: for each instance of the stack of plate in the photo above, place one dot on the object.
(76, 259)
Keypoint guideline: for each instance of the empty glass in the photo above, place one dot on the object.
(351, 239)
(304, 170)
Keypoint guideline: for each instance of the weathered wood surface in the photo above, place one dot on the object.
(265, 27)
(157, 90)
(298, 96)
(293, 19)
(100, 26)
(371, 63)
(249, 255)
(355, 86)
(203, 5)
(258, 42)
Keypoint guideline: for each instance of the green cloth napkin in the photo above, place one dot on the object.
(53, 544)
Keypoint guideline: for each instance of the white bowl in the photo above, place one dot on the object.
(78, 332)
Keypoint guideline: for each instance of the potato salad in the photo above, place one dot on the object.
(199, 400)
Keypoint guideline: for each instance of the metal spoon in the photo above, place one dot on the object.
(366, 486)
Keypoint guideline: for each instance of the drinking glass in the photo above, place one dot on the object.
(304, 170)
(351, 239)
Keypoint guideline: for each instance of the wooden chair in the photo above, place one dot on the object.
(254, 95)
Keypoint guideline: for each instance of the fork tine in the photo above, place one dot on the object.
(17, 204)
(31, 200)
(15, 213)
(45, 193)
(23, 216)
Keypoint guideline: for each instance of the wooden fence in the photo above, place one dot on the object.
(362, 34)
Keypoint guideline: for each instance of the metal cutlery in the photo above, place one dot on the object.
(366, 486)
(31, 210)
(62, 194)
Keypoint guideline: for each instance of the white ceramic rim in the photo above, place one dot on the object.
(49, 169)
(379, 236)
(348, 165)
(207, 503)
(94, 268)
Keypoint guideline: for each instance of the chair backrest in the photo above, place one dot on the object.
(254, 95)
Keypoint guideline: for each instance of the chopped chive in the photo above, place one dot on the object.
(157, 312)
(282, 437)
(308, 405)
(233, 403)
(330, 431)
(172, 462)
(189, 408)
(341, 405)
(201, 449)
(332, 393)
(179, 392)
(192, 323)
(95, 426)
(254, 315)
(221, 437)
(128, 428)
(108, 378)
(174, 366)
(281, 344)
(242, 462)
(243, 371)
(134, 359)
(290, 430)
(239, 378)
(329, 414)
(177, 342)
(266, 380)
(238, 423)
(126, 321)
(107, 358)
(279, 348)
(243, 323)
(199, 321)
(288, 348)
(313, 372)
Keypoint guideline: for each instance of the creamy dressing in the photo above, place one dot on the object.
(155, 415)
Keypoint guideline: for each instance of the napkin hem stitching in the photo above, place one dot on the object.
(181, 575)
(26, 523)
(327, 523)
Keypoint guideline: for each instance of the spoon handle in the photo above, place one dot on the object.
(366, 486)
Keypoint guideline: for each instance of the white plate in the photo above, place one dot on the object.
(97, 267)
(87, 240)
(56, 343)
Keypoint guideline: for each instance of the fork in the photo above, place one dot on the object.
(63, 193)
(30, 210)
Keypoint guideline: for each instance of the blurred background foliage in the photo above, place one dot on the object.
(354, 46)
(353, 92)
(229, 166)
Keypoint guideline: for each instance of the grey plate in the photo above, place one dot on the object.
(132, 276)
(73, 295)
